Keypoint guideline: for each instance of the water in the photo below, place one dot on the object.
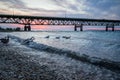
(98, 44)
(101, 44)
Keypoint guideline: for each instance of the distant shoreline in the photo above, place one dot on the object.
(63, 31)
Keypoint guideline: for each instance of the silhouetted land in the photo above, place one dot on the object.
(9, 29)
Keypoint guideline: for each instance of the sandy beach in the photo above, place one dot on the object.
(18, 62)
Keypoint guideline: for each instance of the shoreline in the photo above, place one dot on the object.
(105, 63)
(19, 62)
(14, 65)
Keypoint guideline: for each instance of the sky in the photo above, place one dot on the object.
(98, 9)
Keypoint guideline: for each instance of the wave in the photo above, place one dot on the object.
(108, 64)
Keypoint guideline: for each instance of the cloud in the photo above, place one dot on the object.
(20, 7)
(104, 8)
(73, 8)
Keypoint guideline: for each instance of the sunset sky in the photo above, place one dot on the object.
(101, 9)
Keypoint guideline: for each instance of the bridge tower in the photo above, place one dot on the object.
(27, 27)
(110, 26)
(78, 26)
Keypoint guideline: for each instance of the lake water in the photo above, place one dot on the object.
(101, 44)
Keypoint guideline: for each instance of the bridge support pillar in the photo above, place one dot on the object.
(106, 28)
(110, 26)
(113, 28)
(78, 26)
(27, 27)
(75, 28)
(81, 27)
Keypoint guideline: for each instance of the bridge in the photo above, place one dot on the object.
(28, 21)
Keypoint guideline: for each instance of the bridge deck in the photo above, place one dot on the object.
(42, 20)
(57, 18)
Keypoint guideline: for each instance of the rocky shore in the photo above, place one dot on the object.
(16, 66)
(18, 62)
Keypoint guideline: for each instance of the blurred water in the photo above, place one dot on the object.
(93, 43)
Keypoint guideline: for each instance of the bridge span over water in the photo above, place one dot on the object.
(28, 21)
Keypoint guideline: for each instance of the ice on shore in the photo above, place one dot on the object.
(60, 65)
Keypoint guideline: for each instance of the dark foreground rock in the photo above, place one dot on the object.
(14, 66)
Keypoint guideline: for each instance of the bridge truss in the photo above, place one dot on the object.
(27, 21)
